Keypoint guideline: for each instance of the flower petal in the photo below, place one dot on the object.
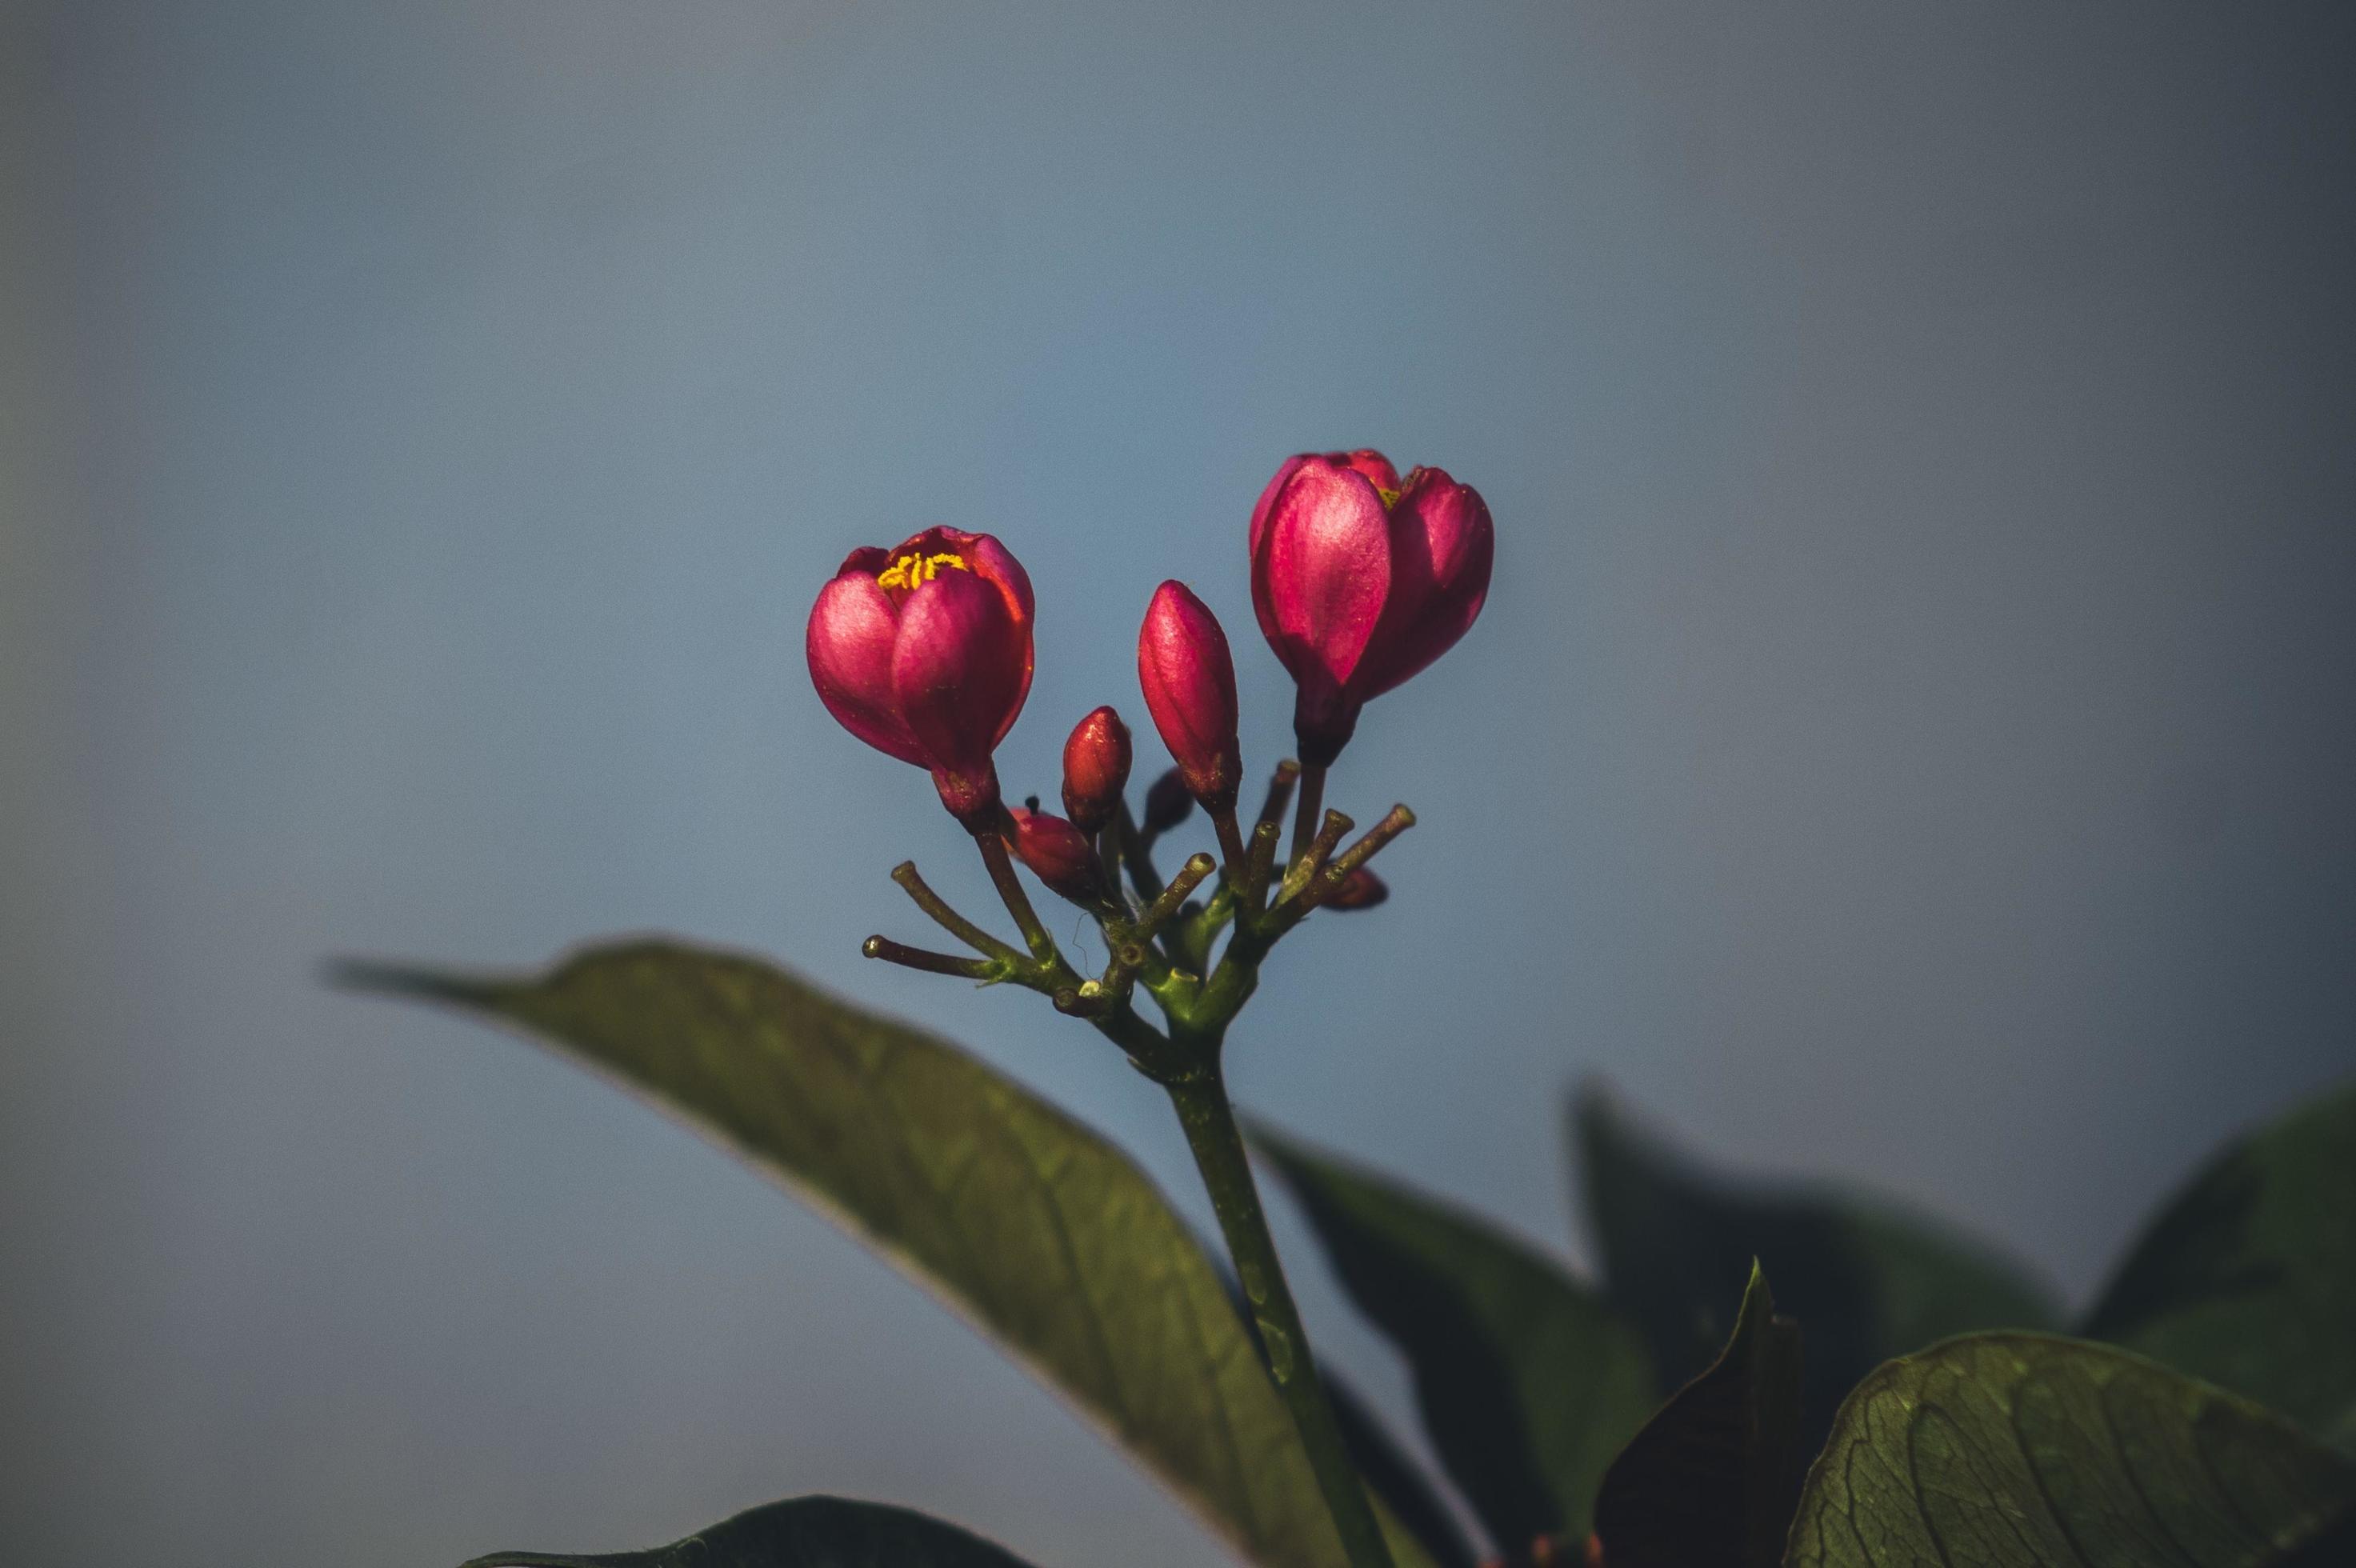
(997, 564)
(1371, 463)
(849, 644)
(1441, 549)
(1267, 502)
(1321, 569)
(960, 669)
(981, 554)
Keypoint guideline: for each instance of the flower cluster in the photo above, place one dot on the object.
(1359, 579)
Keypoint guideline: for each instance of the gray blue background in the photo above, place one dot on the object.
(1910, 739)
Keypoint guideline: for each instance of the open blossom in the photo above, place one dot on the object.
(1360, 579)
(1190, 688)
(924, 652)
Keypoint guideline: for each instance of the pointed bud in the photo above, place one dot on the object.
(1190, 688)
(1058, 854)
(1095, 769)
(1362, 889)
(1167, 805)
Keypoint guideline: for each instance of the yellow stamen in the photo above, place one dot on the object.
(913, 571)
(1391, 498)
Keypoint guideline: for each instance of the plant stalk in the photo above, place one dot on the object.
(1017, 902)
(1306, 808)
(1137, 851)
(1201, 1099)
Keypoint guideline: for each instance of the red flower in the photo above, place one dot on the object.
(924, 652)
(1360, 579)
(1058, 853)
(1190, 688)
(1095, 769)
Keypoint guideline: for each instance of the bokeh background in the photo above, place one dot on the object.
(1910, 739)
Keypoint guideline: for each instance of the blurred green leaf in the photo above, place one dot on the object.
(1527, 1383)
(805, 1532)
(1865, 1280)
(1398, 1482)
(2248, 1277)
(1042, 1234)
(2024, 1450)
(1713, 1476)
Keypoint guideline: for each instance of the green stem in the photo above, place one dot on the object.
(890, 951)
(1148, 1046)
(1233, 855)
(1201, 1099)
(1137, 849)
(949, 919)
(1306, 806)
(1167, 902)
(1017, 902)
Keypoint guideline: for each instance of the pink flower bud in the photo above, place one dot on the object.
(1058, 854)
(924, 652)
(1360, 579)
(1362, 889)
(1095, 769)
(1190, 688)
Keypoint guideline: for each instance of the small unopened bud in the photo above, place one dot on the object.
(1362, 889)
(1190, 689)
(1058, 854)
(1095, 769)
(1168, 803)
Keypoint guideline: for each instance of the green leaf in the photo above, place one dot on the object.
(2248, 1278)
(1040, 1232)
(2341, 1433)
(1713, 1478)
(1398, 1482)
(1865, 1281)
(2021, 1450)
(1527, 1383)
(805, 1532)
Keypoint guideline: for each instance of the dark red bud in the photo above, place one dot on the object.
(1362, 889)
(1168, 803)
(1058, 854)
(1095, 769)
